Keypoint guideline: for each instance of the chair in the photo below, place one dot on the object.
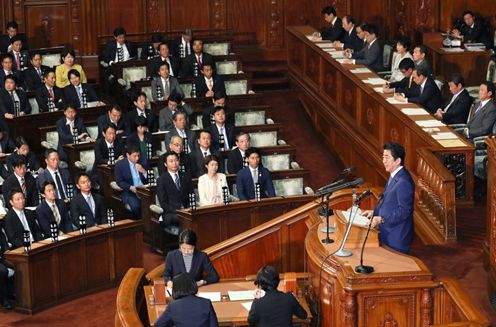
(490, 76)
(51, 59)
(276, 161)
(261, 139)
(133, 74)
(187, 88)
(227, 67)
(217, 48)
(249, 118)
(236, 87)
(87, 159)
(480, 156)
(387, 54)
(288, 186)
(34, 105)
(51, 140)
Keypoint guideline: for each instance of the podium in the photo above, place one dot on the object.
(357, 233)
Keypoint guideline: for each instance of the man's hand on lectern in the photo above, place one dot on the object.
(367, 213)
(375, 221)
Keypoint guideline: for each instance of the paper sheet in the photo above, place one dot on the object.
(325, 45)
(378, 89)
(343, 61)
(452, 49)
(360, 71)
(247, 305)
(375, 81)
(430, 123)
(394, 101)
(240, 295)
(337, 54)
(431, 130)
(358, 220)
(212, 296)
(445, 136)
(414, 111)
(451, 143)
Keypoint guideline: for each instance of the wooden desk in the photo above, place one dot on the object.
(356, 121)
(52, 273)
(229, 313)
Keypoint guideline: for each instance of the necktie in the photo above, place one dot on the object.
(188, 48)
(479, 107)
(89, 200)
(199, 61)
(18, 61)
(80, 95)
(177, 182)
(166, 88)
(25, 224)
(142, 114)
(50, 90)
(210, 84)
(254, 175)
(171, 72)
(60, 187)
(23, 186)
(244, 161)
(39, 72)
(12, 97)
(120, 54)
(55, 214)
(421, 89)
(226, 143)
(205, 154)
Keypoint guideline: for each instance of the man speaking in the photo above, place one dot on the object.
(394, 212)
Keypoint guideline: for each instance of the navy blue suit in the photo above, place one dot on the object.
(124, 179)
(246, 188)
(45, 216)
(188, 311)
(65, 178)
(174, 265)
(396, 208)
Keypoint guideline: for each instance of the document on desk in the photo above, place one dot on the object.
(325, 45)
(451, 143)
(452, 50)
(394, 101)
(414, 111)
(247, 305)
(337, 54)
(430, 123)
(378, 89)
(360, 71)
(358, 219)
(240, 295)
(212, 296)
(344, 61)
(445, 136)
(375, 81)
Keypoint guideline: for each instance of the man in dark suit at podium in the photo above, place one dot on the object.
(394, 212)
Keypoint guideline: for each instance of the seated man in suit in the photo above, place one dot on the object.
(59, 176)
(18, 220)
(129, 175)
(22, 149)
(252, 175)
(21, 56)
(13, 101)
(219, 100)
(8, 69)
(406, 85)
(119, 50)
(33, 75)
(457, 108)
(176, 145)
(350, 39)
(22, 180)
(208, 84)
(181, 48)
(150, 49)
(204, 149)
(193, 64)
(220, 127)
(6, 143)
(175, 104)
(180, 129)
(78, 94)
(473, 30)
(11, 30)
(482, 117)
(6, 274)
(103, 146)
(173, 189)
(237, 158)
(164, 56)
(394, 212)
(48, 96)
(335, 32)
(371, 54)
(52, 210)
(88, 204)
(164, 85)
(67, 127)
(139, 110)
(427, 94)
(419, 56)
(114, 119)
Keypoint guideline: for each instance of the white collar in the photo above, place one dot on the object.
(396, 171)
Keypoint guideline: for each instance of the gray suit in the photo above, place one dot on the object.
(482, 122)
(165, 116)
(371, 57)
(189, 133)
(173, 87)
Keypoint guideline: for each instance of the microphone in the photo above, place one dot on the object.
(353, 183)
(361, 269)
(362, 196)
(339, 181)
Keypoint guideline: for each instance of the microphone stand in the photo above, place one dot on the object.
(361, 269)
(327, 229)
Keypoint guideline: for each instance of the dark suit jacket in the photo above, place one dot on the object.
(406, 86)
(155, 63)
(275, 309)
(102, 153)
(476, 34)
(425, 65)
(191, 135)
(184, 161)
(16, 73)
(24, 58)
(208, 112)
(458, 111)
(175, 48)
(234, 161)
(32, 164)
(123, 175)
(201, 265)
(230, 131)
(11, 182)
(134, 139)
(64, 174)
(79, 207)
(430, 97)
(173, 87)
(370, 56)
(65, 135)
(7, 143)
(334, 33)
(121, 127)
(482, 122)
(148, 52)
(190, 310)
(45, 216)
(198, 160)
(42, 96)
(396, 207)
(7, 106)
(202, 88)
(188, 65)
(131, 116)
(72, 98)
(170, 198)
(15, 231)
(5, 42)
(246, 188)
(111, 49)
(351, 41)
(32, 81)
(166, 118)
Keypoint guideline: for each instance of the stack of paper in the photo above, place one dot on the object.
(360, 70)
(247, 305)
(451, 143)
(325, 45)
(431, 130)
(378, 89)
(343, 61)
(358, 219)
(430, 123)
(394, 101)
(212, 296)
(337, 54)
(445, 136)
(241, 295)
(414, 111)
(374, 81)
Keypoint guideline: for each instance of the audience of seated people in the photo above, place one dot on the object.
(175, 104)
(208, 83)
(142, 138)
(419, 57)
(350, 39)
(67, 58)
(371, 54)
(49, 97)
(192, 65)
(204, 150)
(53, 173)
(52, 210)
(87, 203)
(150, 49)
(23, 180)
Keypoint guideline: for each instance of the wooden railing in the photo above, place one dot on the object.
(131, 299)
(489, 245)
(435, 207)
(454, 308)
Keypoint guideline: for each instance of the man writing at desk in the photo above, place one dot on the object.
(394, 212)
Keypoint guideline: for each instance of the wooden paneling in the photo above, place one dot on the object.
(189, 14)
(47, 30)
(249, 16)
(127, 14)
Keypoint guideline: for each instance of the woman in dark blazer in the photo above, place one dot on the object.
(187, 309)
(141, 137)
(187, 259)
(272, 307)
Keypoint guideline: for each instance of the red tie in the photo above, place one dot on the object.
(18, 61)
(23, 186)
(51, 94)
(199, 61)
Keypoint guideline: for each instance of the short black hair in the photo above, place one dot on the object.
(468, 12)
(219, 108)
(140, 121)
(157, 37)
(68, 106)
(177, 113)
(422, 48)
(405, 42)
(397, 151)
(490, 86)
(15, 38)
(14, 191)
(208, 159)
(81, 174)
(220, 95)
(267, 278)
(406, 64)
(12, 24)
(241, 134)
(73, 72)
(107, 126)
(349, 19)
(34, 53)
(422, 71)
(48, 152)
(18, 161)
(164, 63)
(187, 236)
(175, 97)
(47, 72)
(171, 153)
(11, 77)
(329, 10)
(65, 52)
(20, 141)
(137, 95)
(371, 29)
(119, 31)
(252, 150)
(132, 148)
(457, 80)
(203, 131)
(183, 285)
(163, 43)
(115, 106)
(7, 55)
(45, 184)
